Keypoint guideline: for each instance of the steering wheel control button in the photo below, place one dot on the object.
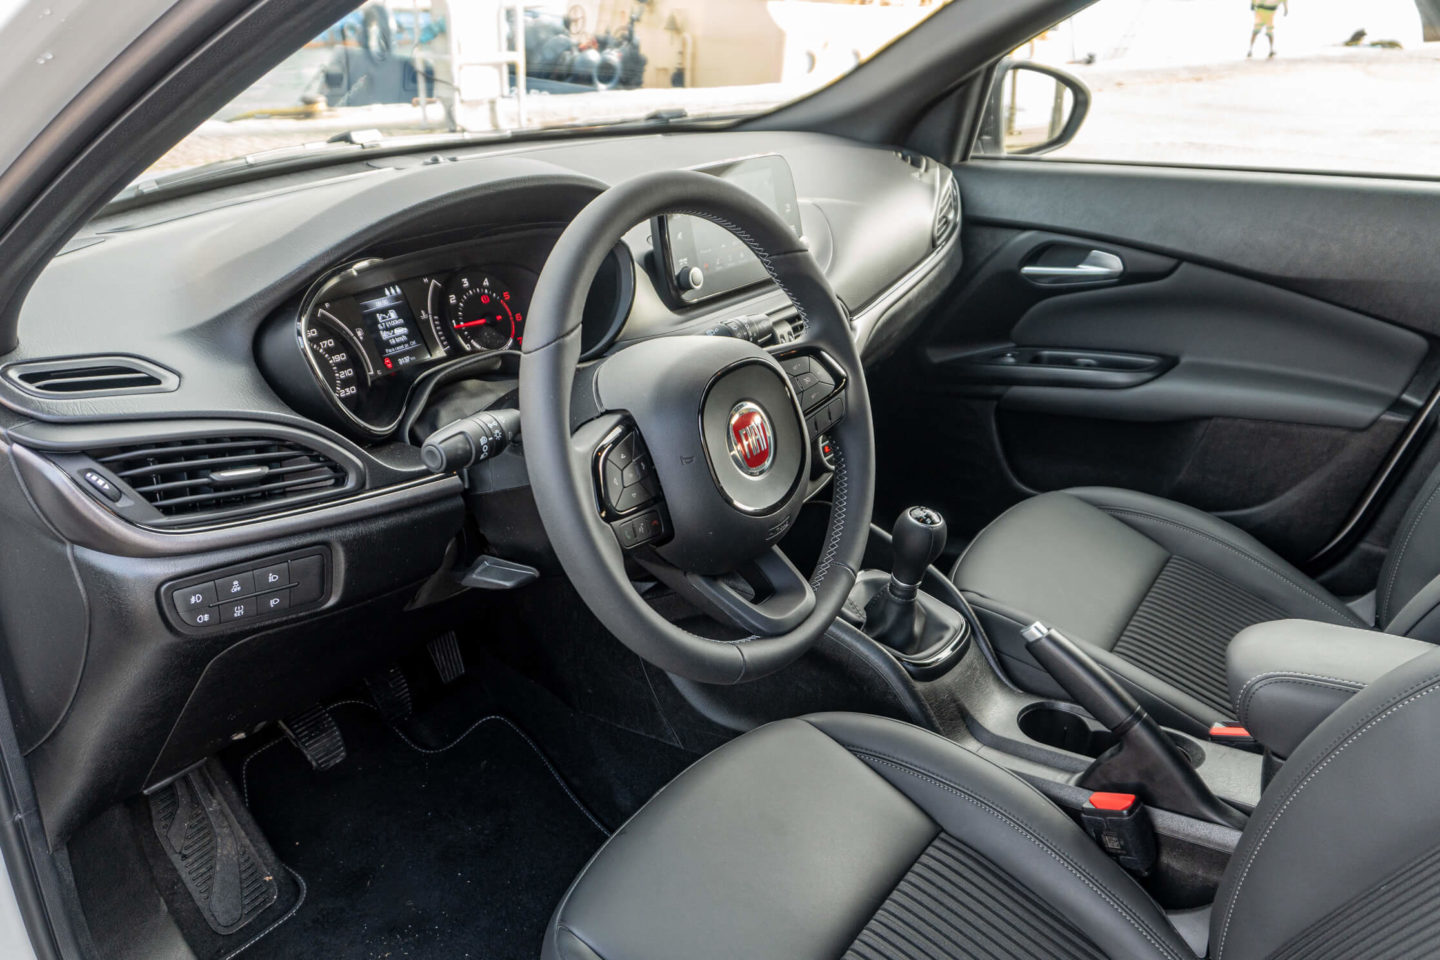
(238, 585)
(825, 452)
(194, 603)
(796, 366)
(752, 439)
(642, 528)
(100, 485)
(273, 577)
(812, 379)
(628, 475)
(231, 610)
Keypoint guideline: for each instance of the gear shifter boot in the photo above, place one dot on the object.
(891, 615)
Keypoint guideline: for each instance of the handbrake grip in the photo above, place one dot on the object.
(1145, 761)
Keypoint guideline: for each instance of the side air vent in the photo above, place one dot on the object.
(77, 377)
(213, 477)
(947, 213)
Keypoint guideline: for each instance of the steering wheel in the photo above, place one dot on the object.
(692, 454)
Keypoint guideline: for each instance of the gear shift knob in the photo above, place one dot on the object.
(918, 537)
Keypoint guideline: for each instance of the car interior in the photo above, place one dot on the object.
(811, 535)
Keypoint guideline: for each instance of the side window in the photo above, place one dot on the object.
(1323, 85)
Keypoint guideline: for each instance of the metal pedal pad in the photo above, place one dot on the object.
(391, 693)
(445, 654)
(317, 736)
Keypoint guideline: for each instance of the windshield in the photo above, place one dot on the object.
(484, 66)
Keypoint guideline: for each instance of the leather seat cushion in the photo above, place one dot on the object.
(846, 835)
(1156, 591)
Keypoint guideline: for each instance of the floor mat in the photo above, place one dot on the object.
(422, 844)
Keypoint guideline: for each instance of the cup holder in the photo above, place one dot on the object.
(1059, 726)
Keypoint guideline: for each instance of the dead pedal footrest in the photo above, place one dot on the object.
(317, 736)
(228, 878)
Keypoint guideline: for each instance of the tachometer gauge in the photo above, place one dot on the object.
(479, 315)
(338, 359)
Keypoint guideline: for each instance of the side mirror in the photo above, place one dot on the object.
(1032, 109)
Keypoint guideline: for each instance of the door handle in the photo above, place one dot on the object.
(1097, 265)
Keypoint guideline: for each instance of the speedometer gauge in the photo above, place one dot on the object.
(339, 360)
(479, 315)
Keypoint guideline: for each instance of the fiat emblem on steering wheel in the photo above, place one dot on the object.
(752, 442)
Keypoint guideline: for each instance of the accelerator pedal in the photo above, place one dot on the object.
(317, 736)
(223, 868)
(390, 692)
(445, 654)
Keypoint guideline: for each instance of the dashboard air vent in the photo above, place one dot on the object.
(211, 476)
(75, 377)
(947, 213)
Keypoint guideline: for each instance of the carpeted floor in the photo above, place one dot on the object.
(445, 837)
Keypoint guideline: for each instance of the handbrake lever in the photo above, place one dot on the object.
(1145, 761)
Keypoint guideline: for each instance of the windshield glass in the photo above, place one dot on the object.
(404, 67)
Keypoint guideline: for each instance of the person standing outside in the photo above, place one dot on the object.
(1265, 20)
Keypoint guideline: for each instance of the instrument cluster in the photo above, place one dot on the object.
(372, 330)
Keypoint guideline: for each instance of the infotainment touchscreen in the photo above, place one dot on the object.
(704, 260)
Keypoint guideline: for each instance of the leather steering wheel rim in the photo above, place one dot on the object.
(559, 457)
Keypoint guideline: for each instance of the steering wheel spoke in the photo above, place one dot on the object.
(821, 384)
(627, 489)
(695, 458)
(767, 596)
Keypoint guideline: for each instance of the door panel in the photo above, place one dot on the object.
(1234, 365)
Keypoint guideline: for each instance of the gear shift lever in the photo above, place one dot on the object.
(919, 537)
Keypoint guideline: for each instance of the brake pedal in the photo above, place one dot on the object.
(445, 654)
(228, 874)
(391, 693)
(315, 733)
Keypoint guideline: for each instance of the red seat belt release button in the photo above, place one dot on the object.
(1119, 824)
(1229, 733)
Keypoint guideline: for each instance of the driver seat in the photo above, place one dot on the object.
(857, 837)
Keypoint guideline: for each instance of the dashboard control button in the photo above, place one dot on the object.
(239, 585)
(273, 577)
(194, 603)
(308, 575)
(231, 610)
(273, 602)
(102, 486)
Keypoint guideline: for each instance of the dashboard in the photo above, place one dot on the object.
(231, 384)
(374, 331)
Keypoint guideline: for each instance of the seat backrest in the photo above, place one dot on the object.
(1341, 859)
(1407, 595)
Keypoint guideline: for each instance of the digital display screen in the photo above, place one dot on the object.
(725, 262)
(391, 326)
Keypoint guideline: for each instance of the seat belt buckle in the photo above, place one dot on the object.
(1119, 824)
(1232, 735)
